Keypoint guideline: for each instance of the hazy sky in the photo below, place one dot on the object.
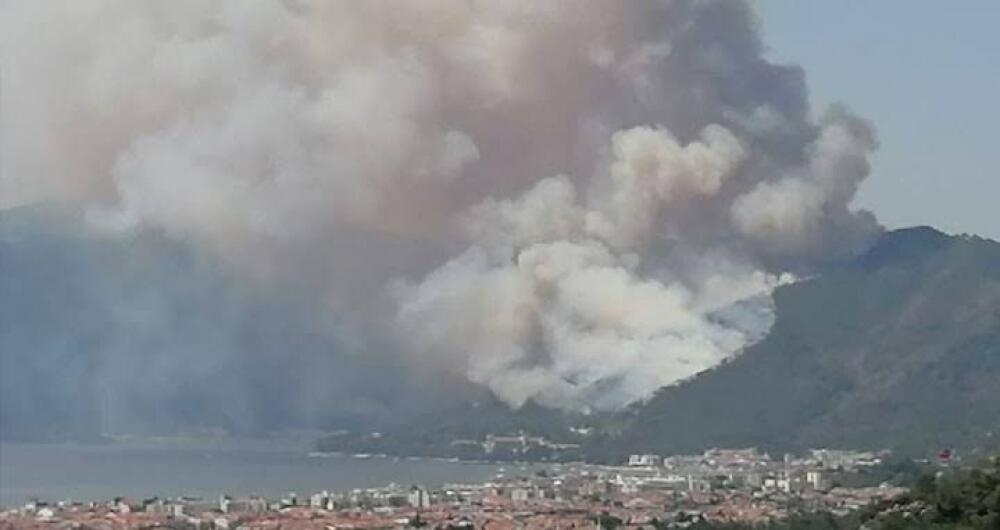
(928, 75)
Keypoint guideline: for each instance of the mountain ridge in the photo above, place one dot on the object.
(898, 348)
(894, 349)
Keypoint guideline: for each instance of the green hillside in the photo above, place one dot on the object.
(900, 349)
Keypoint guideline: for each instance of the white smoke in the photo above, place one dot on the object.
(552, 301)
(570, 202)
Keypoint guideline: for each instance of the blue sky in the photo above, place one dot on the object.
(928, 75)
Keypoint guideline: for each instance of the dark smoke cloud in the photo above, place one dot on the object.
(571, 203)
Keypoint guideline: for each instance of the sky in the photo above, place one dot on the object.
(929, 80)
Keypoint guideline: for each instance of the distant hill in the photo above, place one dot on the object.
(140, 334)
(899, 349)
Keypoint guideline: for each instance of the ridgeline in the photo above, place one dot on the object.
(898, 349)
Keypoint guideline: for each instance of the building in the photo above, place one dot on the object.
(643, 461)
(519, 494)
(817, 480)
(319, 500)
(418, 498)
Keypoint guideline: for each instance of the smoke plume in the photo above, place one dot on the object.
(568, 202)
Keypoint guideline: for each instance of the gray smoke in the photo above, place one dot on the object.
(574, 203)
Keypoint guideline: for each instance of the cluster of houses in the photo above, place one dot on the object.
(720, 484)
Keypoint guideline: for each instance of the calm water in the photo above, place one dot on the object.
(59, 472)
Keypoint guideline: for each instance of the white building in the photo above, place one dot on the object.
(418, 498)
(643, 461)
(45, 514)
(817, 480)
(520, 494)
(319, 500)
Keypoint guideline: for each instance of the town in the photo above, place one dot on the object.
(647, 491)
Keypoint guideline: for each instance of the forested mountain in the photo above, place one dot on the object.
(899, 349)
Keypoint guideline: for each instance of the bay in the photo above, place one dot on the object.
(56, 472)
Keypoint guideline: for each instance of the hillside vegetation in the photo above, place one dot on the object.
(900, 349)
(897, 349)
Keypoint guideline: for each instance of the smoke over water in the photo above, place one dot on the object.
(572, 203)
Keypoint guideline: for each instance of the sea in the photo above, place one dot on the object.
(145, 469)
